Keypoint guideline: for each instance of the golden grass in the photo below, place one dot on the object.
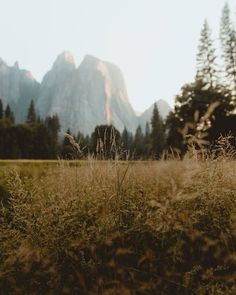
(111, 227)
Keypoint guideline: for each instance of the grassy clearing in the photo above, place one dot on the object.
(119, 228)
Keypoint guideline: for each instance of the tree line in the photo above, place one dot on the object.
(106, 142)
(35, 139)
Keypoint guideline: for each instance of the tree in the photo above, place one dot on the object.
(9, 115)
(157, 133)
(228, 45)
(52, 123)
(138, 142)
(31, 116)
(197, 108)
(53, 126)
(106, 141)
(206, 58)
(147, 141)
(127, 139)
(1, 110)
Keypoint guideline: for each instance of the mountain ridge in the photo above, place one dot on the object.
(83, 96)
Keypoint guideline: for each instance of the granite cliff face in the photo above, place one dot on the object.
(83, 97)
(92, 93)
(17, 88)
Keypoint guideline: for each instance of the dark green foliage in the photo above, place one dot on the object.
(126, 144)
(34, 140)
(9, 116)
(31, 116)
(27, 142)
(147, 142)
(1, 110)
(157, 133)
(138, 143)
(105, 141)
(192, 104)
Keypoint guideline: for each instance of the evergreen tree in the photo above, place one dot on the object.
(9, 115)
(147, 141)
(138, 142)
(106, 141)
(125, 138)
(1, 109)
(31, 116)
(228, 44)
(7, 112)
(193, 108)
(52, 123)
(206, 58)
(53, 126)
(157, 133)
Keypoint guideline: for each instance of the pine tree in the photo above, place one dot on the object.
(147, 141)
(206, 58)
(1, 109)
(139, 142)
(192, 105)
(31, 116)
(127, 143)
(228, 44)
(9, 114)
(105, 141)
(127, 139)
(157, 133)
(52, 123)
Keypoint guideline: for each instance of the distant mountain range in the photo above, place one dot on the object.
(92, 93)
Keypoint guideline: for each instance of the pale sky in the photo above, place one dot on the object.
(154, 42)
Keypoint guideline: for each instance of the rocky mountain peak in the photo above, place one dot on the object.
(65, 59)
(94, 93)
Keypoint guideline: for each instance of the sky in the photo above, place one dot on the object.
(154, 42)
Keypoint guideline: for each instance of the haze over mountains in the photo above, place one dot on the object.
(92, 93)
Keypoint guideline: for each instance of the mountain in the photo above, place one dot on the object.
(83, 97)
(17, 88)
(163, 107)
(92, 93)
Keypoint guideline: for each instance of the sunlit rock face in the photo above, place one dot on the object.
(54, 92)
(83, 97)
(163, 107)
(17, 88)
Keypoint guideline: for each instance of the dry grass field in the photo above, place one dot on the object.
(113, 227)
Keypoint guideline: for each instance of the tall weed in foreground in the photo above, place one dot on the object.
(113, 227)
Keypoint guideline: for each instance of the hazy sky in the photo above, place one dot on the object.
(154, 42)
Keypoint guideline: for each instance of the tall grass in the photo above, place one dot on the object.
(113, 227)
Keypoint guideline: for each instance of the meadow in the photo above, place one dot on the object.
(119, 227)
